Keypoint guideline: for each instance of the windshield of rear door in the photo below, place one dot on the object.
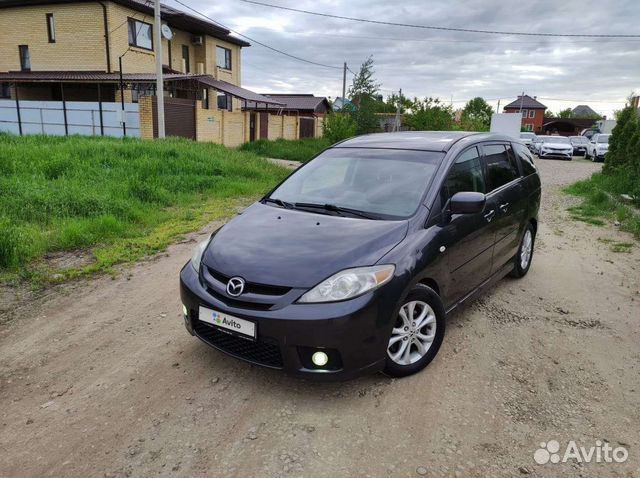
(602, 138)
(388, 183)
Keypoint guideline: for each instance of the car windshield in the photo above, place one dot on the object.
(382, 183)
(556, 139)
(578, 140)
(602, 138)
(527, 135)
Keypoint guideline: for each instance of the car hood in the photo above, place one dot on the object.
(274, 246)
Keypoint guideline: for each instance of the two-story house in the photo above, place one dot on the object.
(103, 50)
(532, 112)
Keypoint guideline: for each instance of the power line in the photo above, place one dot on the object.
(449, 29)
(256, 41)
(440, 40)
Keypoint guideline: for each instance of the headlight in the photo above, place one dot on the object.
(349, 283)
(197, 255)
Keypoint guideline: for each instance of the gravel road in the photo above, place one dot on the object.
(100, 378)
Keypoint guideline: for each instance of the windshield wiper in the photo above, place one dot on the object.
(279, 202)
(333, 208)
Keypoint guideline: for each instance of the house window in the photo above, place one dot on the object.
(140, 34)
(185, 58)
(223, 58)
(5, 90)
(524, 113)
(224, 101)
(532, 114)
(528, 127)
(51, 28)
(142, 90)
(25, 59)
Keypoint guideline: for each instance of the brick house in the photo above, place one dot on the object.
(532, 112)
(80, 50)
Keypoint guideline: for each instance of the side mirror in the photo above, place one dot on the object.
(467, 202)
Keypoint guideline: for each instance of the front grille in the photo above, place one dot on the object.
(251, 287)
(240, 304)
(261, 352)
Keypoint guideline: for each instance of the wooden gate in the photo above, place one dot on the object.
(264, 125)
(179, 117)
(307, 127)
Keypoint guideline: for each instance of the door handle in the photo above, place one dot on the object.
(488, 216)
(504, 207)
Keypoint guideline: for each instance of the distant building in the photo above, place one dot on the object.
(583, 111)
(532, 112)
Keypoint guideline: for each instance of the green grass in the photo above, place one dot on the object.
(293, 150)
(125, 199)
(600, 204)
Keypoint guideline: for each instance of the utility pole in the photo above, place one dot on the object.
(159, 80)
(344, 83)
(498, 109)
(396, 126)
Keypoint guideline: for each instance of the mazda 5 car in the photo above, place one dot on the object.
(352, 264)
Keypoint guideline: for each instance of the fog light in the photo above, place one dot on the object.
(319, 359)
(184, 310)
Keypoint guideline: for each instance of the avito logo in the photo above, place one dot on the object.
(231, 323)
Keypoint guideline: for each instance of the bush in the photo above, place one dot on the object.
(338, 127)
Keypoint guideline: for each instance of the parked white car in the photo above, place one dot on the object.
(527, 139)
(535, 145)
(555, 147)
(598, 147)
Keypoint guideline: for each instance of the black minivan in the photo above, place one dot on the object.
(350, 265)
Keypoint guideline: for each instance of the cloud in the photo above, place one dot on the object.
(449, 65)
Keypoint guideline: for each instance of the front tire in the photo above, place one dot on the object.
(417, 333)
(524, 256)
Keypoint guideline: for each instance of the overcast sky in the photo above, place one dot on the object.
(449, 65)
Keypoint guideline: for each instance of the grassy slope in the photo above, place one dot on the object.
(293, 150)
(123, 198)
(600, 194)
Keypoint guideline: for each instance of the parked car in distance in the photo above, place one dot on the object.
(352, 263)
(598, 147)
(589, 132)
(527, 139)
(535, 145)
(555, 147)
(579, 144)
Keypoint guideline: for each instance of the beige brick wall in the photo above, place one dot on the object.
(275, 127)
(145, 108)
(290, 129)
(79, 37)
(319, 126)
(222, 127)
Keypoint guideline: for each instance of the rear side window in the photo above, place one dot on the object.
(526, 159)
(465, 175)
(500, 168)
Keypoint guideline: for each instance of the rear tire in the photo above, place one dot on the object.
(417, 333)
(524, 256)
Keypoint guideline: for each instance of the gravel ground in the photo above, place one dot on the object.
(100, 378)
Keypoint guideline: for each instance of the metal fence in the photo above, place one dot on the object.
(69, 117)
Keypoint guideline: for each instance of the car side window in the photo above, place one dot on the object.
(526, 159)
(500, 167)
(465, 175)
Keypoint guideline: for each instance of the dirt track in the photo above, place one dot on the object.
(101, 378)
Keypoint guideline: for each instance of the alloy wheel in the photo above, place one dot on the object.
(525, 250)
(413, 333)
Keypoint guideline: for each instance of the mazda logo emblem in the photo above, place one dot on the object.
(235, 286)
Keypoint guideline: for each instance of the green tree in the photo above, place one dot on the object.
(548, 114)
(364, 83)
(363, 93)
(429, 114)
(621, 138)
(338, 126)
(476, 115)
(565, 113)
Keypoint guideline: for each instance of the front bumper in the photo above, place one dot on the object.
(357, 330)
(579, 151)
(556, 154)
